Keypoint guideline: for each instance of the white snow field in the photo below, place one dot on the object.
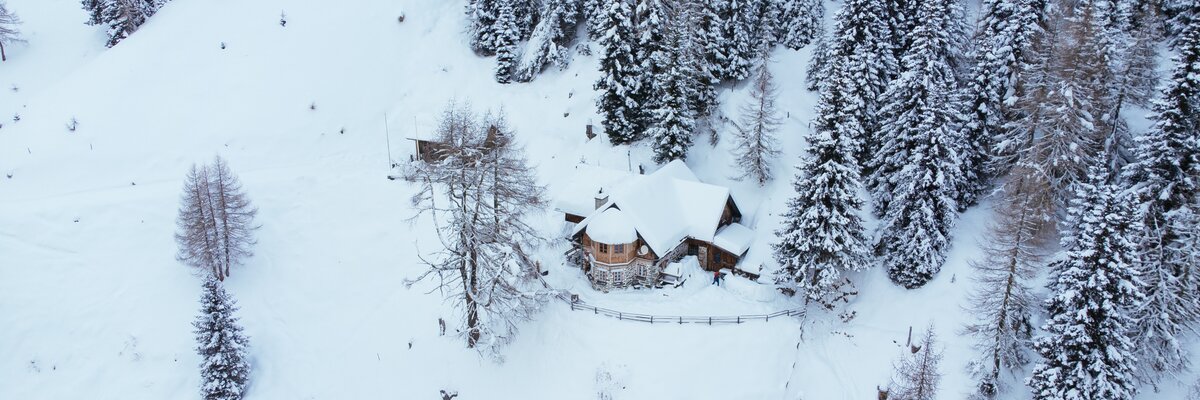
(94, 305)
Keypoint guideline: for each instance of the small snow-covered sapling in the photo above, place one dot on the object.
(282, 19)
(222, 45)
(72, 124)
(312, 106)
(17, 117)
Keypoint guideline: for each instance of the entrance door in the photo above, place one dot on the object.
(702, 254)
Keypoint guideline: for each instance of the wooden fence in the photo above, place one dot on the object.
(679, 319)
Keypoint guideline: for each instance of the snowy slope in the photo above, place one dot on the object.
(94, 305)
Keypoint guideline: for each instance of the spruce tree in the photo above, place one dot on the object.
(1001, 42)
(673, 118)
(225, 367)
(506, 35)
(861, 50)
(817, 70)
(700, 83)
(551, 38)
(1165, 180)
(94, 10)
(621, 73)
(1086, 352)
(124, 17)
(920, 104)
(822, 236)
(729, 37)
(800, 22)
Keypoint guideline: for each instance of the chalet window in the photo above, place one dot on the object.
(603, 248)
(716, 256)
(692, 250)
(619, 249)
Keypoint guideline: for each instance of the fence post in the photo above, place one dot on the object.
(620, 317)
(651, 320)
(572, 306)
(710, 320)
(681, 320)
(739, 319)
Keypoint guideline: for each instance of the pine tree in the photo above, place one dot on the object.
(9, 33)
(920, 104)
(800, 22)
(1165, 180)
(652, 28)
(901, 18)
(225, 369)
(620, 81)
(756, 145)
(861, 52)
(1003, 303)
(593, 14)
(822, 236)
(1002, 41)
(506, 35)
(917, 374)
(1086, 352)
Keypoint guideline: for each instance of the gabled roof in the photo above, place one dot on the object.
(666, 207)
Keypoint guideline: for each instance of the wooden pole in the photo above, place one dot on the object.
(388, 137)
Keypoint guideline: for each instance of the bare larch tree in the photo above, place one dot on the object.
(917, 374)
(1003, 302)
(756, 146)
(216, 220)
(479, 192)
(9, 33)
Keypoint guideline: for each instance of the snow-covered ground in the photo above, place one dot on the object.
(94, 305)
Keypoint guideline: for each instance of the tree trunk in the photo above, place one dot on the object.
(2, 56)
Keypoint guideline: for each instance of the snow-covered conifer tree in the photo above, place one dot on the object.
(673, 118)
(860, 47)
(481, 22)
(1005, 29)
(917, 374)
(756, 147)
(920, 104)
(620, 76)
(1165, 179)
(94, 10)
(915, 185)
(9, 33)
(822, 236)
(729, 37)
(124, 17)
(551, 39)
(800, 22)
(225, 367)
(817, 70)
(1003, 303)
(1086, 351)
(505, 34)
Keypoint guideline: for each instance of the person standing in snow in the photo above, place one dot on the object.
(717, 278)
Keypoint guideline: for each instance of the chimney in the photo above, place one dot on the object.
(601, 199)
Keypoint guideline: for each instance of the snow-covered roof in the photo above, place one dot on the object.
(734, 238)
(578, 194)
(612, 226)
(667, 206)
